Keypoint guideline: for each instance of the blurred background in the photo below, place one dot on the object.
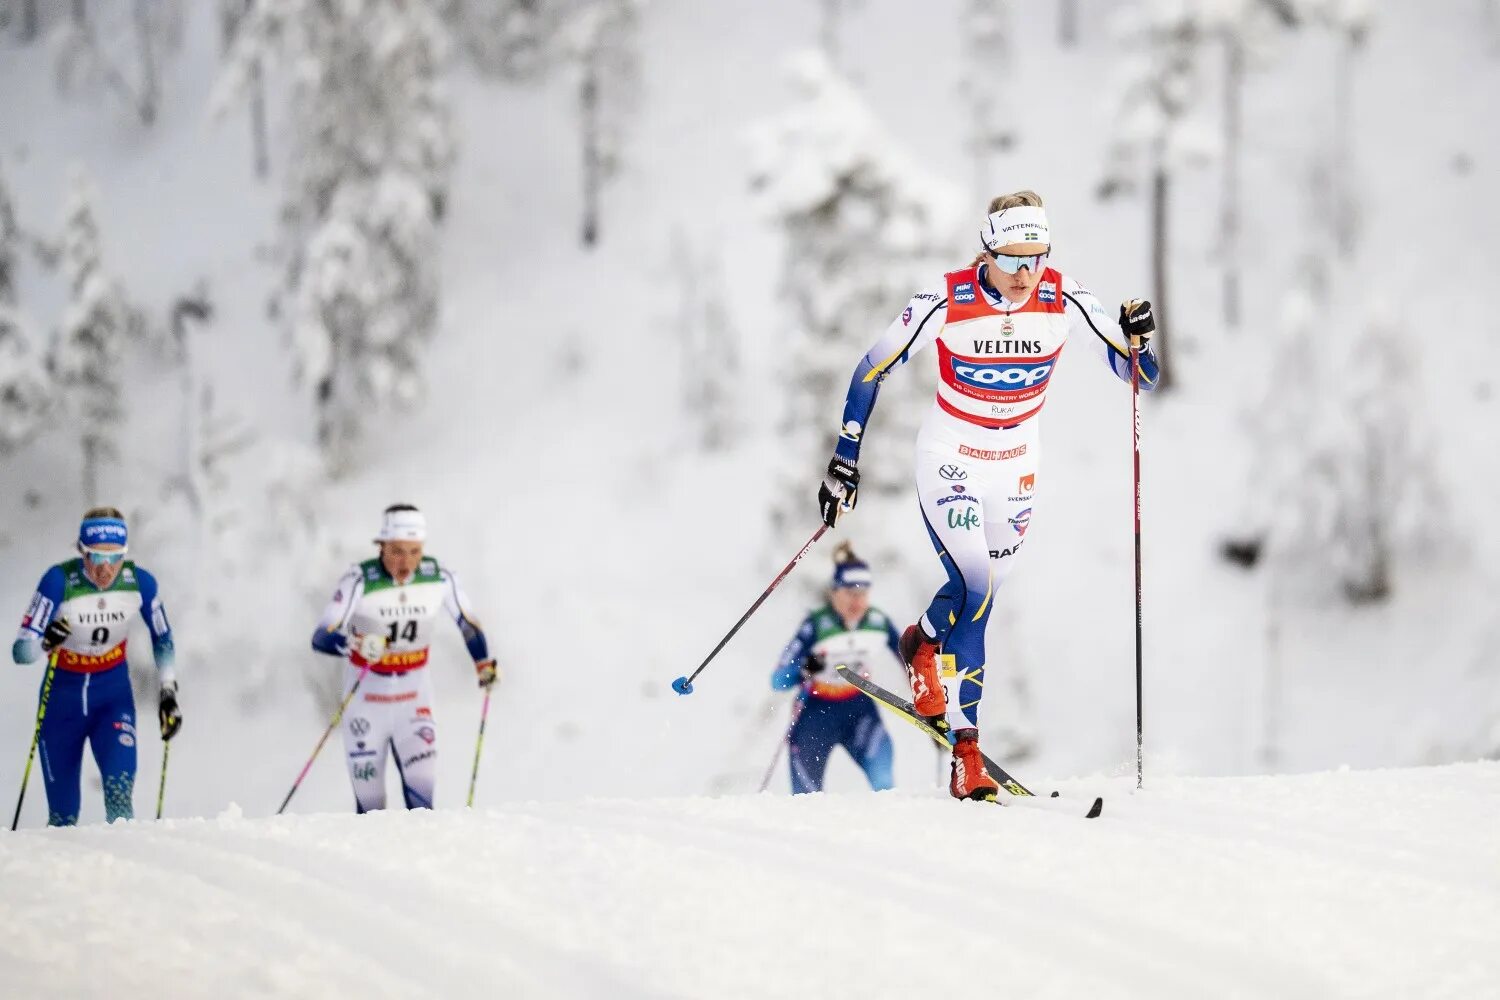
(585, 280)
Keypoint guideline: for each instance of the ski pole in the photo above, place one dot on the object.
(161, 789)
(786, 738)
(484, 713)
(1135, 414)
(324, 739)
(684, 685)
(36, 735)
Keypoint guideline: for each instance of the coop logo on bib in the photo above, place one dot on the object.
(1003, 375)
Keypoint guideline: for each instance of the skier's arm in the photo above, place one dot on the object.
(155, 613)
(1087, 318)
(49, 594)
(916, 327)
(456, 602)
(332, 634)
(788, 672)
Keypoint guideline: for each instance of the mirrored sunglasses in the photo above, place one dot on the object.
(1010, 263)
(104, 558)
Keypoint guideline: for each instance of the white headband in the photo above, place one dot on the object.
(1022, 224)
(403, 526)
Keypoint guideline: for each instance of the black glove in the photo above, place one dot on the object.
(839, 490)
(56, 634)
(167, 713)
(1136, 320)
(813, 664)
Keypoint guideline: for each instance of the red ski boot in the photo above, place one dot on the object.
(970, 779)
(920, 657)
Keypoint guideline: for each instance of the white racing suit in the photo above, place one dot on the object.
(393, 709)
(978, 452)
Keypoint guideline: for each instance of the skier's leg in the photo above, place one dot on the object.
(112, 737)
(869, 744)
(415, 742)
(808, 745)
(953, 506)
(60, 747)
(366, 731)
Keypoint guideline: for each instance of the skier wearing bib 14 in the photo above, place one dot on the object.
(382, 616)
(999, 326)
(831, 712)
(81, 613)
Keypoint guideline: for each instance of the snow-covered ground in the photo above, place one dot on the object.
(1342, 884)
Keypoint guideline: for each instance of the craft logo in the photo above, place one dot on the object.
(1002, 553)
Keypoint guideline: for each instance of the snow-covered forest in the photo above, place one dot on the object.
(585, 280)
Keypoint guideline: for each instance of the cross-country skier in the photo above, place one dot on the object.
(81, 612)
(831, 712)
(999, 325)
(382, 615)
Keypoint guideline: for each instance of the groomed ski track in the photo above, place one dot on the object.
(1347, 884)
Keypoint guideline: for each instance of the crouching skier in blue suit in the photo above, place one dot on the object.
(845, 630)
(81, 611)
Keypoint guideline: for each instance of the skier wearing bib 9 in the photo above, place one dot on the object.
(831, 713)
(999, 326)
(80, 614)
(381, 617)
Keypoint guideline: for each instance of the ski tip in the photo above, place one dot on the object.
(682, 686)
(1095, 809)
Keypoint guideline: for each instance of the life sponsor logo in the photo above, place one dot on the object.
(963, 292)
(1046, 292)
(364, 772)
(968, 519)
(992, 455)
(1019, 376)
(1021, 521)
(953, 473)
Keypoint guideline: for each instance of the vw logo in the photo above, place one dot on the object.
(951, 472)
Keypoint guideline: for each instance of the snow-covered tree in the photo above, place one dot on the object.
(1251, 32)
(510, 39)
(96, 323)
(25, 390)
(985, 27)
(708, 348)
(372, 150)
(865, 229)
(232, 14)
(1157, 128)
(118, 47)
(604, 43)
(831, 16)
